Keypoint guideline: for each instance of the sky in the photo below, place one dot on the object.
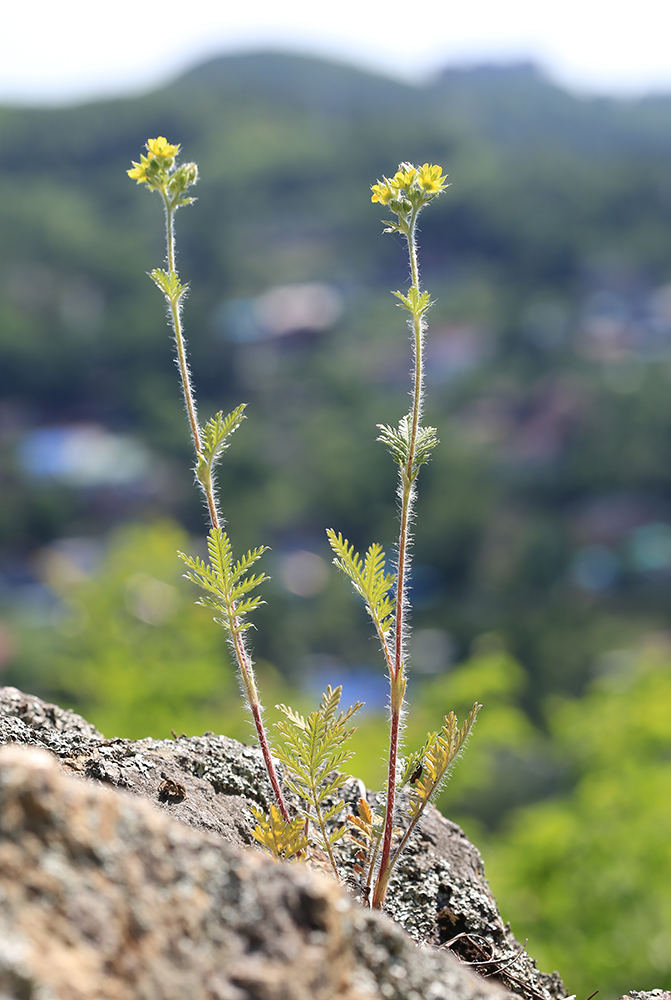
(77, 50)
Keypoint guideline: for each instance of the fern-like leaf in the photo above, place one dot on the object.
(217, 431)
(397, 440)
(412, 766)
(365, 830)
(243, 564)
(313, 752)
(286, 841)
(369, 579)
(415, 302)
(169, 284)
(438, 757)
(432, 765)
(225, 584)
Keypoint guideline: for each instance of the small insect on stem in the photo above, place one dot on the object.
(416, 774)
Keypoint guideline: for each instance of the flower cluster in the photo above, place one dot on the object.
(410, 187)
(160, 157)
(158, 171)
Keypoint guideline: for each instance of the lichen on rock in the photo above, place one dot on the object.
(151, 895)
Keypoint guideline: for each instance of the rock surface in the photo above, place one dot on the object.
(647, 995)
(104, 898)
(105, 895)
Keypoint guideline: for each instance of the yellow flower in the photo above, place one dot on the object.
(139, 170)
(431, 179)
(382, 193)
(403, 179)
(161, 149)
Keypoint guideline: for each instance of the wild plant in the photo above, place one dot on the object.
(227, 583)
(313, 749)
(313, 754)
(386, 594)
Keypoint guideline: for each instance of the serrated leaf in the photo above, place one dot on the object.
(241, 587)
(169, 284)
(286, 841)
(368, 577)
(243, 608)
(297, 719)
(365, 830)
(415, 302)
(398, 441)
(413, 761)
(365, 811)
(330, 701)
(225, 585)
(217, 431)
(243, 564)
(311, 751)
(439, 754)
(333, 811)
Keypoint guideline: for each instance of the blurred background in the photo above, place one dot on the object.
(542, 574)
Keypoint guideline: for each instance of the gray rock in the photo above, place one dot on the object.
(439, 893)
(103, 897)
(648, 995)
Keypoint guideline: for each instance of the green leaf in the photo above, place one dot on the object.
(398, 441)
(286, 841)
(415, 302)
(438, 756)
(225, 584)
(169, 284)
(217, 431)
(368, 577)
(243, 564)
(297, 719)
(395, 227)
(424, 445)
(312, 751)
(330, 702)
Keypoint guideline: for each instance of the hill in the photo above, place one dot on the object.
(546, 516)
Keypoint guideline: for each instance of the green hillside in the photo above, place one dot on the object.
(548, 377)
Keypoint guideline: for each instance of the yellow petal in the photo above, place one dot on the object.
(160, 147)
(382, 193)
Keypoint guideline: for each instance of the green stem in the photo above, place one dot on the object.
(245, 667)
(185, 375)
(408, 491)
(371, 869)
(170, 231)
(322, 827)
(406, 836)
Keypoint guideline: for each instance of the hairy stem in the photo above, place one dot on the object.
(396, 673)
(406, 837)
(371, 869)
(241, 655)
(185, 375)
(384, 872)
(268, 760)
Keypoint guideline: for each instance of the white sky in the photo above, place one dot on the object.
(60, 51)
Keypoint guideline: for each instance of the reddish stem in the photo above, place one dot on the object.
(385, 870)
(240, 652)
(270, 765)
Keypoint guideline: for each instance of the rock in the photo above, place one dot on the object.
(102, 897)
(647, 995)
(135, 899)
